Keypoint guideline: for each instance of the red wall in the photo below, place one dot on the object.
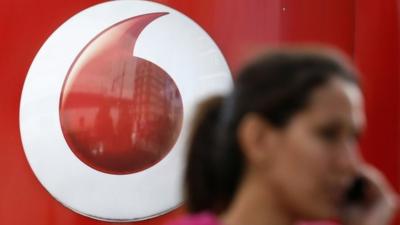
(368, 30)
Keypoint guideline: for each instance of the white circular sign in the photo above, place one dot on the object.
(174, 43)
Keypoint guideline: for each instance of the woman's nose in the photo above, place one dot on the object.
(349, 160)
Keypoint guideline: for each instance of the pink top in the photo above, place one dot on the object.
(204, 218)
(207, 218)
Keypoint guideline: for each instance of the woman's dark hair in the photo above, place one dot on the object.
(276, 86)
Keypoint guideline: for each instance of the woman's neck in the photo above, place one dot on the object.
(254, 204)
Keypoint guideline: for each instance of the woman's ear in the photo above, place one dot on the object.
(256, 139)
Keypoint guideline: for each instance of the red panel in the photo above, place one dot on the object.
(324, 22)
(366, 29)
(377, 55)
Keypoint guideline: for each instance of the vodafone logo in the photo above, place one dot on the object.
(107, 103)
(119, 113)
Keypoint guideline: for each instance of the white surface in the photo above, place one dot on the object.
(173, 42)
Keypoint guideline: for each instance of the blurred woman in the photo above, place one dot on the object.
(282, 147)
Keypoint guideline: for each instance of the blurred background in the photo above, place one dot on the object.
(367, 30)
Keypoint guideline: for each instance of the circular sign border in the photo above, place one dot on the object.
(39, 112)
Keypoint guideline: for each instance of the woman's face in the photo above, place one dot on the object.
(316, 156)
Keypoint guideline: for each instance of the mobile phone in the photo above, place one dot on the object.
(357, 191)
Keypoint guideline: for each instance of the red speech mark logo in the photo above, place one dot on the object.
(119, 113)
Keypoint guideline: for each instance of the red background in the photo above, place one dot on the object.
(368, 30)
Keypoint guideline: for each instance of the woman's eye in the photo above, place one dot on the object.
(329, 134)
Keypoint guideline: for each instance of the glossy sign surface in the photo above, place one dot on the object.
(119, 113)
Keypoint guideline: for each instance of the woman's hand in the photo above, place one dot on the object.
(377, 203)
